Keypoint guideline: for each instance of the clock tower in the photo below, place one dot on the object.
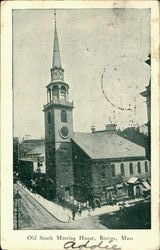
(58, 130)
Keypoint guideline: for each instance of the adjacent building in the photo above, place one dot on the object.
(35, 159)
(147, 95)
(27, 145)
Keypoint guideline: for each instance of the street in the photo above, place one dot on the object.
(34, 216)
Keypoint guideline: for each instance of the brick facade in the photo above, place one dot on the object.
(96, 178)
(58, 150)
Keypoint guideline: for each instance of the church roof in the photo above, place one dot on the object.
(107, 145)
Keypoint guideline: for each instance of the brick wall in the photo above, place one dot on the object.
(127, 174)
(64, 170)
(82, 173)
(102, 174)
(58, 150)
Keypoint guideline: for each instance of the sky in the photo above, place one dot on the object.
(103, 53)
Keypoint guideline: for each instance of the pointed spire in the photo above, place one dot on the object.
(56, 53)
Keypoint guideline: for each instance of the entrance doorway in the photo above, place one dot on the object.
(138, 191)
(67, 193)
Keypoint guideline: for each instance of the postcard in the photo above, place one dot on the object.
(80, 127)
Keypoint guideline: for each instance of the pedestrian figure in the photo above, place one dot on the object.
(80, 211)
(89, 210)
(123, 205)
(73, 215)
(115, 201)
(93, 206)
(69, 218)
(120, 206)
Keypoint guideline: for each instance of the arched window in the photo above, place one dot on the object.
(63, 88)
(139, 167)
(122, 169)
(63, 116)
(63, 93)
(55, 93)
(131, 168)
(49, 117)
(113, 170)
(49, 95)
(146, 166)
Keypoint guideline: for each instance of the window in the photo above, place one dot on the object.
(103, 172)
(146, 166)
(113, 170)
(139, 167)
(49, 91)
(131, 168)
(63, 96)
(63, 116)
(63, 93)
(55, 93)
(49, 117)
(122, 169)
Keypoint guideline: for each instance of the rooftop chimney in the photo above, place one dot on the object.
(93, 128)
(110, 127)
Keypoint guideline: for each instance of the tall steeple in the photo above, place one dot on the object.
(56, 70)
(58, 129)
(57, 89)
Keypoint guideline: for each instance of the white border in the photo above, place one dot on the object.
(143, 239)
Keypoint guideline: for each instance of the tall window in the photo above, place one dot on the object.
(113, 170)
(49, 117)
(55, 93)
(131, 168)
(146, 166)
(63, 116)
(103, 172)
(63, 93)
(139, 167)
(122, 169)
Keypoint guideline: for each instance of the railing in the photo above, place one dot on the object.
(61, 102)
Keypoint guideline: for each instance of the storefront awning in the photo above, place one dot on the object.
(109, 188)
(133, 180)
(120, 185)
(146, 185)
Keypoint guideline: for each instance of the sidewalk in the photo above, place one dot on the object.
(65, 215)
(60, 213)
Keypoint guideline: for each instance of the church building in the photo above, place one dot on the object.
(84, 166)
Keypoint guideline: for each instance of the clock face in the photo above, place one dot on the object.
(64, 132)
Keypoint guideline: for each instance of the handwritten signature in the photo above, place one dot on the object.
(100, 245)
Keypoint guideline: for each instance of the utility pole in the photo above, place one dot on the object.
(17, 200)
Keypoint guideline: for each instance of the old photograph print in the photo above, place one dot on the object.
(82, 122)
